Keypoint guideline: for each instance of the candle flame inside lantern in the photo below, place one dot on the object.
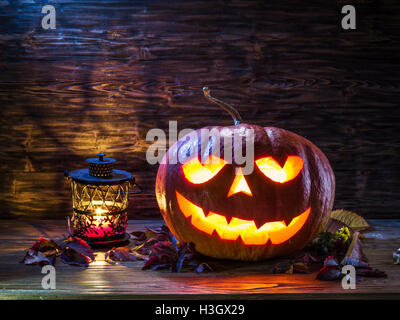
(100, 211)
(101, 226)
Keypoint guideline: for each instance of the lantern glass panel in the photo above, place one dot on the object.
(99, 211)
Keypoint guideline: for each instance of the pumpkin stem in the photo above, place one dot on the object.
(228, 108)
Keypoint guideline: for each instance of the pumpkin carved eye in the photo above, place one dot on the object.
(272, 170)
(197, 172)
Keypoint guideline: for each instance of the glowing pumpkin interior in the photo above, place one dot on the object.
(271, 169)
(239, 184)
(197, 172)
(276, 232)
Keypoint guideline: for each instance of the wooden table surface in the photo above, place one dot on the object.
(126, 280)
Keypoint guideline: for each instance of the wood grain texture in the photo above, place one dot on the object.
(114, 69)
(126, 279)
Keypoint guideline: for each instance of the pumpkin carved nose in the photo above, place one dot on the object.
(239, 184)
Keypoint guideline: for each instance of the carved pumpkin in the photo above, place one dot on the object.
(277, 209)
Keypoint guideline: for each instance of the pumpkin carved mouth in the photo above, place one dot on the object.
(276, 232)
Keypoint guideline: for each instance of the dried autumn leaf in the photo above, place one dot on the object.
(138, 236)
(290, 269)
(142, 236)
(77, 252)
(123, 254)
(355, 252)
(165, 252)
(74, 258)
(329, 273)
(350, 219)
(373, 273)
(282, 267)
(331, 261)
(181, 258)
(347, 261)
(80, 246)
(144, 240)
(333, 225)
(299, 267)
(42, 252)
(36, 257)
(47, 246)
(150, 262)
(203, 267)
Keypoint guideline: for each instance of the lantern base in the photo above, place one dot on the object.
(102, 242)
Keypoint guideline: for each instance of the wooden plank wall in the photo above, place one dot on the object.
(114, 69)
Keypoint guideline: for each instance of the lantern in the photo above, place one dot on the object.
(100, 202)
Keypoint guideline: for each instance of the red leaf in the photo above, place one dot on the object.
(42, 252)
(77, 252)
(331, 261)
(373, 273)
(80, 246)
(151, 262)
(74, 258)
(47, 246)
(329, 273)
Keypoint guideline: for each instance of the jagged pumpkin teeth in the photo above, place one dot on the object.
(276, 231)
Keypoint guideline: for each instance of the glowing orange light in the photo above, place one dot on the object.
(239, 184)
(277, 231)
(271, 169)
(197, 172)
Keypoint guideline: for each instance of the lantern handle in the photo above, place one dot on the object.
(227, 107)
(67, 177)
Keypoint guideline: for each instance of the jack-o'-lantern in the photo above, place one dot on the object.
(275, 210)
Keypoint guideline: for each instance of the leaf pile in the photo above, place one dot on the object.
(344, 246)
(72, 251)
(164, 251)
(144, 240)
(167, 255)
(332, 270)
(335, 247)
(340, 241)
